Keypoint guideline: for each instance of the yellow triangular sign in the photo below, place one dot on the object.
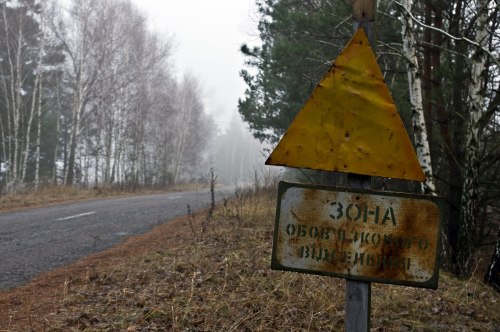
(350, 123)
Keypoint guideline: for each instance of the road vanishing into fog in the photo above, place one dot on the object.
(39, 240)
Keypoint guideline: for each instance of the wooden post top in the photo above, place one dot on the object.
(364, 10)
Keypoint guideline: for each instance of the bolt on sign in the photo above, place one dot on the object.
(358, 234)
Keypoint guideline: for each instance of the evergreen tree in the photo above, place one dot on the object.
(456, 46)
(299, 40)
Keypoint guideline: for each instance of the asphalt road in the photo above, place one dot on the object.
(39, 240)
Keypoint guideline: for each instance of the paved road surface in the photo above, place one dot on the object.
(39, 240)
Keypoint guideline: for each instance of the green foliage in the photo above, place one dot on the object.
(299, 39)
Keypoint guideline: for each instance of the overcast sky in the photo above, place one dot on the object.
(208, 35)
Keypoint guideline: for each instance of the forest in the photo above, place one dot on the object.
(89, 97)
(440, 60)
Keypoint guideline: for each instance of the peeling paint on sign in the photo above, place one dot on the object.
(350, 123)
(358, 234)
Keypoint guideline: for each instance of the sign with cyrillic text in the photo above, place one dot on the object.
(358, 234)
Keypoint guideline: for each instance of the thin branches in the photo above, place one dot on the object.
(492, 56)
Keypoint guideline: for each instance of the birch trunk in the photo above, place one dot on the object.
(35, 108)
(78, 104)
(13, 100)
(416, 100)
(186, 106)
(56, 153)
(98, 152)
(4, 146)
(16, 104)
(58, 125)
(178, 157)
(492, 276)
(118, 144)
(475, 106)
(75, 128)
(27, 141)
(38, 134)
(39, 103)
(13, 93)
(109, 148)
(35, 104)
(7, 150)
(17, 96)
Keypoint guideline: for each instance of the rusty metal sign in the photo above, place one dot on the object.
(350, 123)
(358, 234)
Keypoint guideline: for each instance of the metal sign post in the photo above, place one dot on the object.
(358, 293)
(350, 124)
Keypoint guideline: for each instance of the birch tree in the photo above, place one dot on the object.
(492, 276)
(20, 69)
(416, 100)
(161, 123)
(36, 106)
(39, 106)
(188, 108)
(76, 45)
(110, 113)
(83, 39)
(475, 107)
(470, 42)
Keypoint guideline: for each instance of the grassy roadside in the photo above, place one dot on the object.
(60, 194)
(213, 275)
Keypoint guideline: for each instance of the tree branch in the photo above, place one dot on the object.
(496, 60)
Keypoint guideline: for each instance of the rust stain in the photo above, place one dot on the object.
(351, 107)
(368, 235)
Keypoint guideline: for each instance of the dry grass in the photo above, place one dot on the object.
(44, 196)
(58, 194)
(214, 275)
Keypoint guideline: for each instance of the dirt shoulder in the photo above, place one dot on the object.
(32, 305)
(205, 275)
